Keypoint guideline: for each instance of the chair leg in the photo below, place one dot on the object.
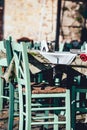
(55, 120)
(11, 107)
(28, 112)
(68, 116)
(21, 117)
(1, 91)
(46, 114)
(56, 113)
(16, 105)
(73, 111)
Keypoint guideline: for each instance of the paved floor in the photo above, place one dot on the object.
(4, 123)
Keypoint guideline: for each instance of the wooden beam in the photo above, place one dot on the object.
(59, 2)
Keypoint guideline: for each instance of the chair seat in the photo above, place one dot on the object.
(44, 88)
(48, 89)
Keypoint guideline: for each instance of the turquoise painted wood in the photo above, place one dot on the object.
(35, 108)
(3, 63)
(5, 46)
(37, 46)
(4, 87)
(78, 105)
(29, 45)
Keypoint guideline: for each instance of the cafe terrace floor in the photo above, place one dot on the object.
(4, 122)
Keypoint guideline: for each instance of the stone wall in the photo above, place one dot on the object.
(30, 18)
(1, 18)
(36, 20)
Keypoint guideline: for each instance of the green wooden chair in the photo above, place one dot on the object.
(39, 105)
(37, 46)
(29, 45)
(9, 55)
(78, 101)
(61, 47)
(7, 91)
(3, 63)
(67, 46)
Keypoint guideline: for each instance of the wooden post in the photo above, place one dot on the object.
(59, 2)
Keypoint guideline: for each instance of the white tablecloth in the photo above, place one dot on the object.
(59, 57)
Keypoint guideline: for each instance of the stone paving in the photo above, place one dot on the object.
(4, 123)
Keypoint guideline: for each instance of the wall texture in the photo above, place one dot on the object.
(37, 20)
(30, 18)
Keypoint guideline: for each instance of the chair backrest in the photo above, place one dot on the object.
(6, 51)
(9, 54)
(23, 75)
(37, 46)
(22, 65)
(5, 47)
(4, 42)
(67, 47)
(61, 47)
(29, 45)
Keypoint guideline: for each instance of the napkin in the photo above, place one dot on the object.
(83, 57)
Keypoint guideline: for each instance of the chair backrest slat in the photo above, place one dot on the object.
(22, 64)
(7, 44)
